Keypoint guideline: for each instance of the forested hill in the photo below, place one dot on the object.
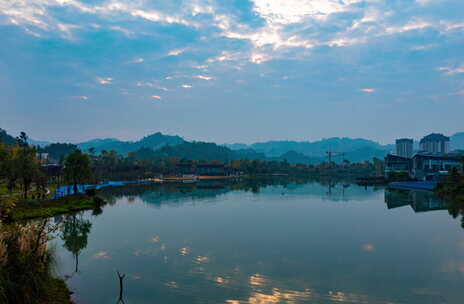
(457, 141)
(155, 142)
(159, 145)
(6, 138)
(198, 151)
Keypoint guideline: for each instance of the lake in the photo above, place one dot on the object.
(263, 242)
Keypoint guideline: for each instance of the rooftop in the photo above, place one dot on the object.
(409, 140)
(449, 156)
(435, 137)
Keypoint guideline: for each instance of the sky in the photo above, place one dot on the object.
(231, 71)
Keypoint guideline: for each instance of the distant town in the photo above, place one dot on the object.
(431, 162)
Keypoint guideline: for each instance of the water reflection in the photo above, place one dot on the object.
(423, 201)
(75, 235)
(456, 209)
(270, 241)
(420, 201)
(181, 193)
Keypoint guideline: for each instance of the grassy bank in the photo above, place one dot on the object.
(49, 208)
(26, 265)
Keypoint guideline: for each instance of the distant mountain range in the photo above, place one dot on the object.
(159, 145)
(457, 141)
(155, 142)
(313, 149)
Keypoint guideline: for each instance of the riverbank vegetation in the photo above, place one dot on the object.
(452, 187)
(27, 174)
(27, 187)
(26, 266)
(25, 210)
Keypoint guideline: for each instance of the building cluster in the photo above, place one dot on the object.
(432, 161)
(189, 169)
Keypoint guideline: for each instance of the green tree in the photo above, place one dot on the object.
(77, 169)
(92, 151)
(22, 139)
(25, 166)
(8, 169)
(3, 159)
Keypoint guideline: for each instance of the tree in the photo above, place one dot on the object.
(59, 151)
(3, 159)
(8, 167)
(22, 139)
(92, 151)
(77, 169)
(25, 165)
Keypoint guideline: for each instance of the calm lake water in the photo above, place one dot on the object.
(256, 243)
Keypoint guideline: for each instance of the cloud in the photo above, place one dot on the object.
(413, 25)
(451, 26)
(296, 11)
(203, 77)
(138, 60)
(144, 84)
(452, 70)
(104, 80)
(175, 52)
(424, 2)
(37, 13)
(120, 29)
(151, 85)
(200, 67)
(80, 98)
(83, 98)
(224, 56)
(259, 58)
(346, 41)
(101, 255)
(368, 90)
(186, 86)
(271, 35)
(67, 30)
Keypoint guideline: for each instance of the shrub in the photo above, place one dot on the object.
(91, 192)
(25, 264)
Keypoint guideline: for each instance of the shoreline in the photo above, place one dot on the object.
(27, 210)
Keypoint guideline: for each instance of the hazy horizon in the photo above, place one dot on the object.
(232, 71)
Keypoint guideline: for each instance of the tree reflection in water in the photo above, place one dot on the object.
(456, 209)
(423, 201)
(75, 235)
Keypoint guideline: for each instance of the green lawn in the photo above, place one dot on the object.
(42, 209)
